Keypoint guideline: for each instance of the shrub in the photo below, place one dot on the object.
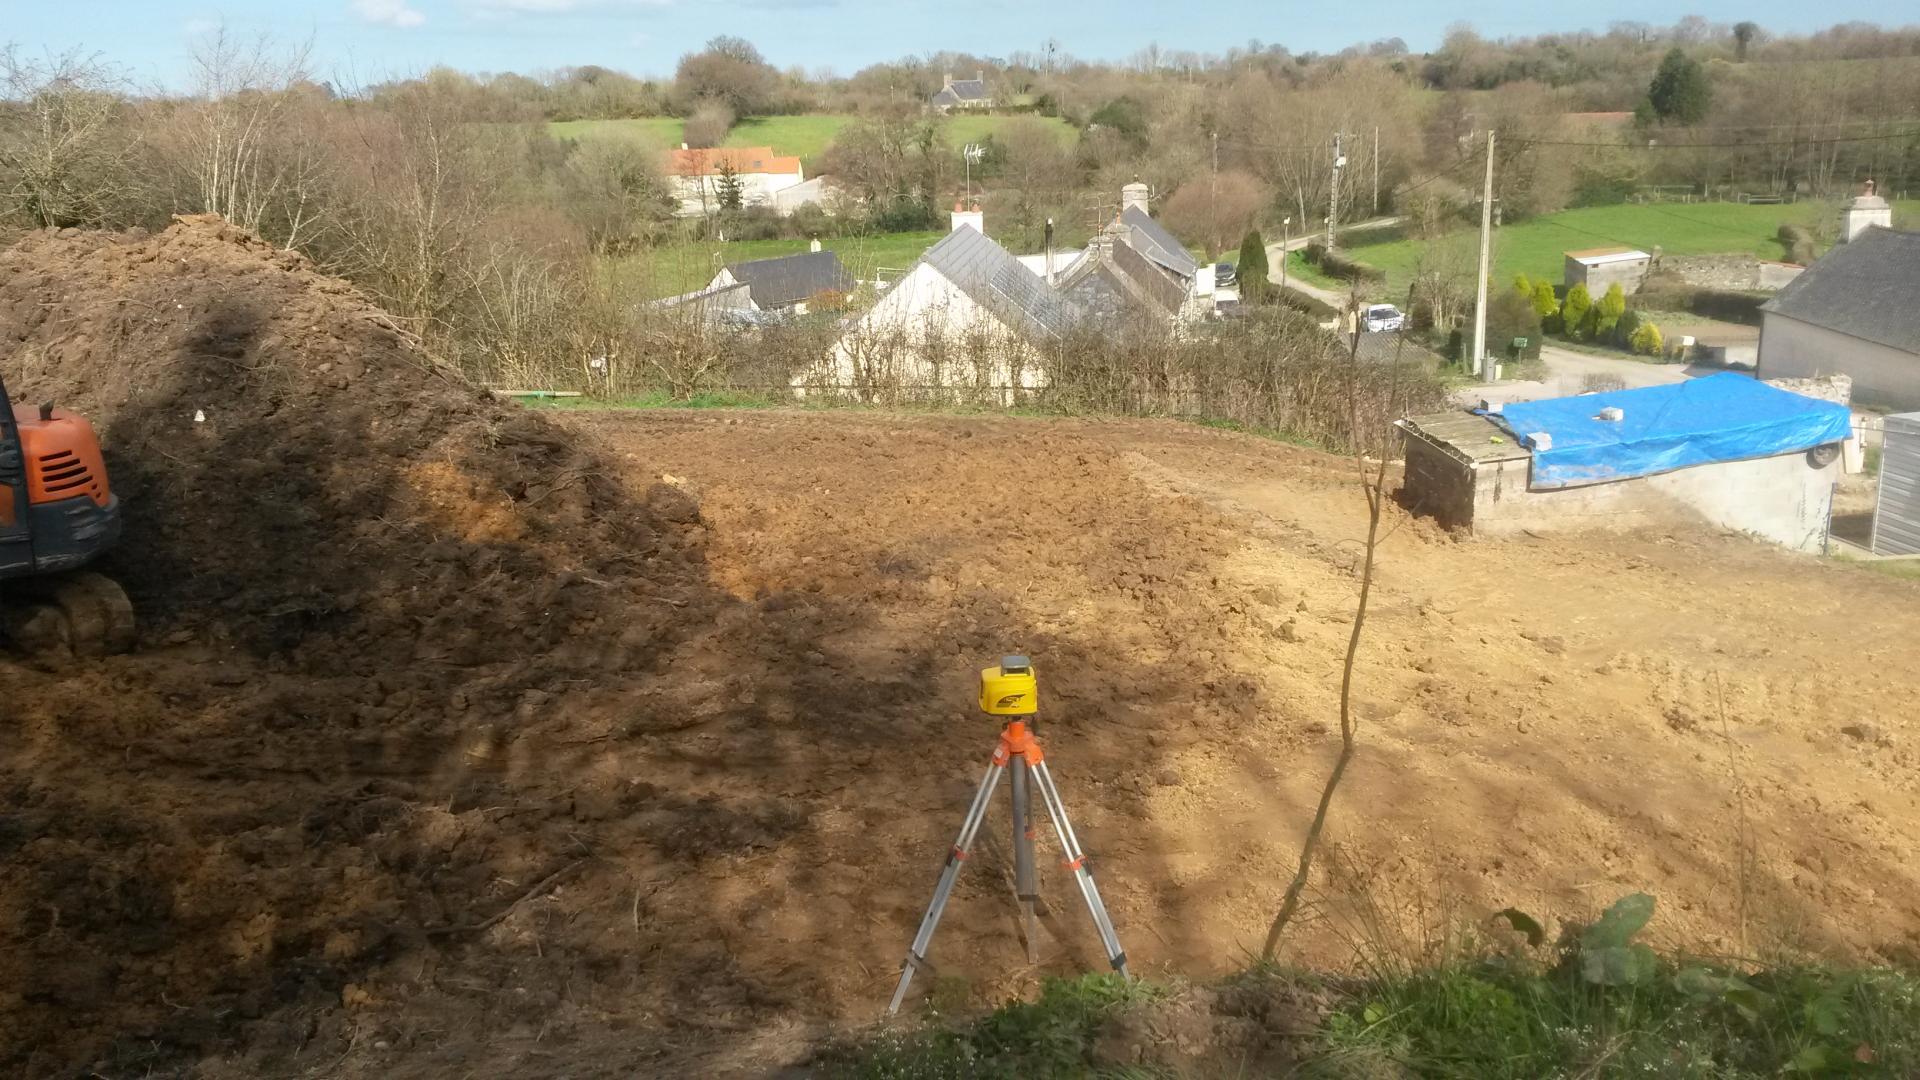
(1573, 313)
(1646, 340)
(1547, 306)
(1510, 315)
(1252, 271)
(1339, 265)
(1797, 241)
(1606, 314)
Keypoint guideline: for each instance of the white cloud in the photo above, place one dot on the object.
(553, 7)
(388, 13)
(197, 27)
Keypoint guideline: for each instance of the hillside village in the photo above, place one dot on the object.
(520, 573)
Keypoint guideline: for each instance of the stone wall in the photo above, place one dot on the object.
(1740, 273)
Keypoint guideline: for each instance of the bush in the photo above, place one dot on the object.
(1252, 271)
(1574, 313)
(1606, 314)
(1547, 306)
(1510, 315)
(1797, 242)
(1340, 266)
(1646, 340)
(1302, 302)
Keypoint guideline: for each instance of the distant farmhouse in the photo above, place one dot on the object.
(962, 93)
(1135, 269)
(697, 176)
(788, 283)
(1854, 312)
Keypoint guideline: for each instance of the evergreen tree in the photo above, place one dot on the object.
(1680, 93)
(1547, 306)
(729, 189)
(1606, 314)
(1573, 313)
(1252, 270)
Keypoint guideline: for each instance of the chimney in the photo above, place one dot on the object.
(947, 81)
(1135, 194)
(980, 77)
(1867, 209)
(814, 246)
(1049, 251)
(964, 218)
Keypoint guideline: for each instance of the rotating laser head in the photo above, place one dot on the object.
(1009, 689)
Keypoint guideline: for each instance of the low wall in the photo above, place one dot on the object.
(1742, 273)
(1784, 499)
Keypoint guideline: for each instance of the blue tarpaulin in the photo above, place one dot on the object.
(1723, 417)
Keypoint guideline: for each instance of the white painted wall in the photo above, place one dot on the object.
(1882, 375)
(755, 189)
(924, 332)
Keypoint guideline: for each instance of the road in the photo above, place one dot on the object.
(1570, 372)
(1276, 255)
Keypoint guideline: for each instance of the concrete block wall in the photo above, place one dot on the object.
(1784, 499)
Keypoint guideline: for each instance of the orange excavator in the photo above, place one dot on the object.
(57, 515)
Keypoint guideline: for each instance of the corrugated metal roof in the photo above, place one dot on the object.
(1868, 287)
(1896, 521)
(1602, 256)
(1470, 437)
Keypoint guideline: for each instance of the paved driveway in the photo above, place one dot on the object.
(1570, 372)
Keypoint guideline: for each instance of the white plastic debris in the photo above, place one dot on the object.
(1612, 414)
(1540, 440)
(199, 416)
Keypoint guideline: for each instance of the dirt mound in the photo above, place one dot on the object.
(361, 578)
(300, 479)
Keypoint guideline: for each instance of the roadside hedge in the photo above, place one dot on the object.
(1340, 266)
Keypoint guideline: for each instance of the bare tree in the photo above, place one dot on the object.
(64, 157)
(251, 156)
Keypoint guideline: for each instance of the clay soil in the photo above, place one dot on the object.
(518, 744)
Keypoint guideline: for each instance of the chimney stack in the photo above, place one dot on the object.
(1866, 210)
(964, 218)
(814, 245)
(1135, 194)
(947, 81)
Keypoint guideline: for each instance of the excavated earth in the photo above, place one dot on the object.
(471, 739)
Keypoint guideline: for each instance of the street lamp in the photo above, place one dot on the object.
(1286, 251)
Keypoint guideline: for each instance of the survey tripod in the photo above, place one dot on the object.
(1010, 690)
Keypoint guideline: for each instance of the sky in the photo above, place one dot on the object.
(361, 41)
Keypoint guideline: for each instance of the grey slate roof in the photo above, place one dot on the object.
(995, 280)
(790, 279)
(1151, 239)
(1868, 287)
(961, 90)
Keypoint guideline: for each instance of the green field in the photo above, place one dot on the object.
(804, 136)
(1536, 247)
(681, 268)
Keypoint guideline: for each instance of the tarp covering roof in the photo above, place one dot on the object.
(1725, 417)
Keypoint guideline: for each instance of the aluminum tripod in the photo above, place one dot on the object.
(1019, 751)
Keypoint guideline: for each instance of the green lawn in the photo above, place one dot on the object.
(680, 268)
(803, 136)
(1536, 247)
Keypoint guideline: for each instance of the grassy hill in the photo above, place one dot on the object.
(1537, 246)
(806, 135)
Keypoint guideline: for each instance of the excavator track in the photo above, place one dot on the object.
(82, 614)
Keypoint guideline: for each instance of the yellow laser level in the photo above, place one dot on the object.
(1009, 689)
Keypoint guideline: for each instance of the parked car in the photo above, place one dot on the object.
(1380, 318)
(1225, 276)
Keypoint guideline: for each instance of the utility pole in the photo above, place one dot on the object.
(1213, 197)
(1480, 363)
(1333, 190)
(1376, 170)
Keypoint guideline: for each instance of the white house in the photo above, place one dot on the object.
(1854, 312)
(966, 317)
(698, 176)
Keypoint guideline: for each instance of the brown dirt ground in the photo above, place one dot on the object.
(643, 735)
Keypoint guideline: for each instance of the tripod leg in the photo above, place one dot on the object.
(1025, 888)
(1077, 862)
(917, 955)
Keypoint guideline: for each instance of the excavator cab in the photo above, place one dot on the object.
(57, 514)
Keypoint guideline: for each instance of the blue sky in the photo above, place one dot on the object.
(366, 40)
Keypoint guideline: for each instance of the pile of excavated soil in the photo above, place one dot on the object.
(301, 481)
(354, 570)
